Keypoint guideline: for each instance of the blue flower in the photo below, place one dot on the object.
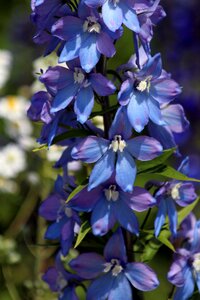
(65, 220)
(115, 13)
(185, 270)
(109, 204)
(182, 193)
(144, 91)
(116, 155)
(86, 37)
(61, 281)
(74, 84)
(114, 274)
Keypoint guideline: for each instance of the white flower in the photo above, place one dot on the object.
(54, 153)
(12, 161)
(13, 108)
(5, 66)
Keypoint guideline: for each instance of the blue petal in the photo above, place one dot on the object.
(120, 125)
(102, 170)
(126, 216)
(172, 215)
(115, 247)
(84, 104)
(71, 49)
(160, 217)
(163, 134)
(120, 289)
(154, 111)
(64, 97)
(130, 18)
(184, 292)
(125, 171)
(54, 230)
(100, 288)
(89, 55)
(69, 294)
(137, 111)
(102, 219)
(112, 15)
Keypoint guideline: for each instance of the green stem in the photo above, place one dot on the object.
(146, 218)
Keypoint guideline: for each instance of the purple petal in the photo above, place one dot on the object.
(187, 194)
(139, 199)
(186, 291)
(84, 104)
(174, 116)
(50, 206)
(105, 45)
(71, 49)
(67, 236)
(102, 170)
(165, 90)
(50, 277)
(163, 134)
(153, 67)
(69, 294)
(90, 149)
(144, 148)
(101, 84)
(94, 3)
(154, 111)
(115, 247)
(176, 272)
(125, 171)
(67, 27)
(141, 276)
(102, 219)
(88, 265)
(112, 15)
(124, 94)
(120, 125)
(85, 200)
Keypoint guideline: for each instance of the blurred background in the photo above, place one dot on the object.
(27, 177)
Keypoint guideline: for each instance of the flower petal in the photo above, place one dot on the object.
(141, 276)
(100, 287)
(88, 54)
(105, 45)
(101, 84)
(174, 116)
(112, 15)
(120, 125)
(120, 289)
(125, 171)
(160, 217)
(84, 104)
(144, 148)
(115, 247)
(90, 149)
(88, 265)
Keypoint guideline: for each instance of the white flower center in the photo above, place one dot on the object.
(113, 265)
(143, 85)
(111, 193)
(175, 191)
(196, 262)
(91, 25)
(118, 144)
(79, 77)
(61, 282)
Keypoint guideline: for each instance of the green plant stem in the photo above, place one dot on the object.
(9, 283)
(146, 218)
(171, 294)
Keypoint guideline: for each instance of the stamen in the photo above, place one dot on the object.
(175, 191)
(118, 144)
(79, 77)
(91, 25)
(196, 262)
(114, 266)
(111, 193)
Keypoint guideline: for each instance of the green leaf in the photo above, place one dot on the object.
(71, 134)
(75, 191)
(145, 165)
(164, 239)
(85, 228)
(183, 213)
(150, 250)
(42, 147)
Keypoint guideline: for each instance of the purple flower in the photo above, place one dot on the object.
(116, 155)
(144, 91)
(114, 273)
(86, 37)
(185, 270)
(182, 193)
(65, 220)
(61, 281)
(116, 12)
(74, 84)
(44, 15)
(175, 122)
(109, 204)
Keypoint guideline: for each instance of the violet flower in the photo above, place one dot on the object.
(65, 220)
(114, 273)
(116, 155)
(110, 204)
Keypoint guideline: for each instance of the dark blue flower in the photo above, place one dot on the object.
(61, 281)
(114, 274)
(65, 220)
(116, 155)
(109, 204)
(182, 193)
